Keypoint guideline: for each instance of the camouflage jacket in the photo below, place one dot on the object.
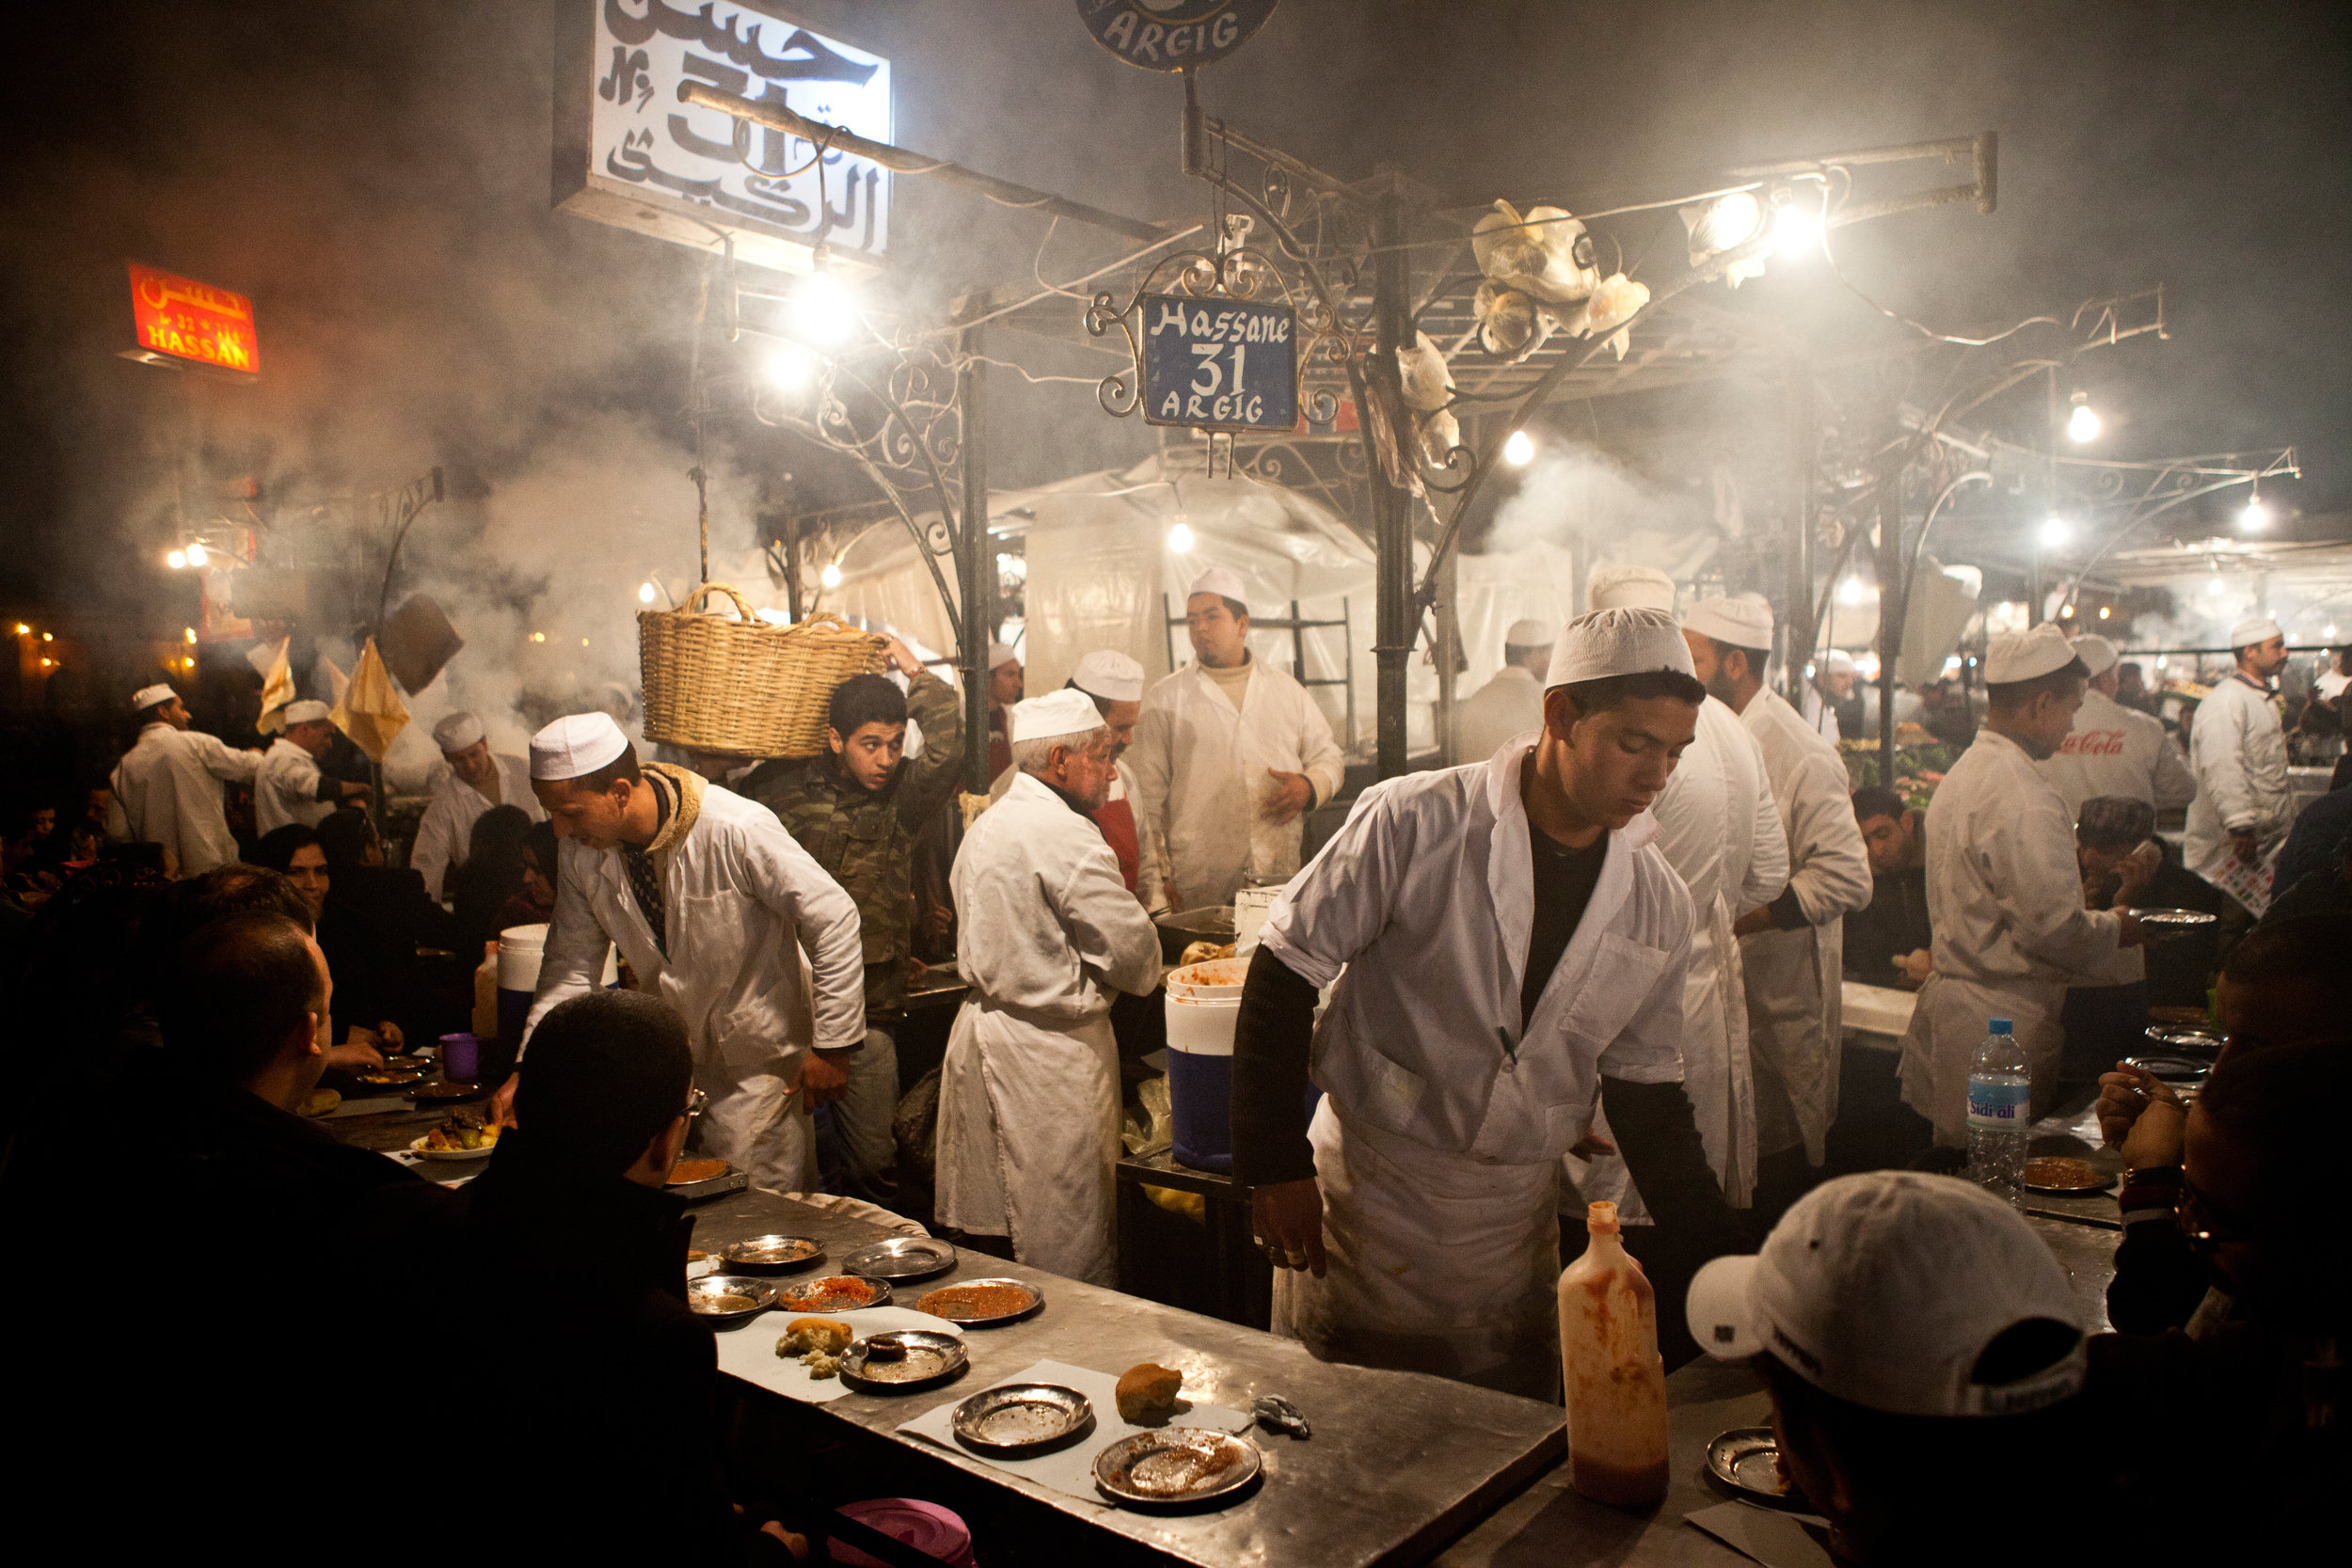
(866, 839)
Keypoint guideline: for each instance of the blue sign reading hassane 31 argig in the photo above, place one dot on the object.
(1219, 364)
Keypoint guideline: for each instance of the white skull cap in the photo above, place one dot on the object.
(1224, 584)
(456, 731)
(2261, 628)
(308, 711)
(1110, 674)
(574, 746)
(1528, 634)
(1068, 711)
(2097, 654)
(151, 696)
(1000, 655)
(2024, 655)
(1744, 622)
(1839, 662)
(1617, 642)
(1629, 588)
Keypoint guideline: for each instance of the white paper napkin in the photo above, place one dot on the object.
(1775, 1538)
(750, 1351)
(1067, 1470)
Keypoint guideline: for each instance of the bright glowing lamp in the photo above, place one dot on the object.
(2255, 518)
(2212, 588)
(1519, 450)
(831, 576)
(196, 554)
(2053, 533)
(176, 559)
(1850, 591)
(1796, 230)
(644, 593)
(1179, 538)
(823, 310)
(2082, 425)
(792, 369)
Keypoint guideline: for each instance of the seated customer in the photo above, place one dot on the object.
(1924, 1352)
(609, 1411)
(376, 919)
(492, 874)
(534, 903)
(294, 853)
(2122, 863)
(1887, 942)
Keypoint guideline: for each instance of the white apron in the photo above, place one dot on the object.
(1029, 1138)
(1455, 1261)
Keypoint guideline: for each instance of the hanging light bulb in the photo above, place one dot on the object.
(2054, 532)
(2082, 425)
(176, 559)
(2102, 612)
(1519, 450)
(1796, 230)
(644, 593)
(792, 369)
(195, 553)
(2212, 588)
(823, 310)
(2256, 516)
(1850, 591)
(831, 576)
(1180, 537)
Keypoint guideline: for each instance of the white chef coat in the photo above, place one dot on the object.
(446, 832)
(169, 785)
(1510, 705)
(1795, 979)
(1201, 777)
(1818, 714)
(2239, 751)
(1437, 1147)
(1720, 831)
(2114, 749)
(286, 790)
(742, 899)
(2005, 899)
(1028, 1093)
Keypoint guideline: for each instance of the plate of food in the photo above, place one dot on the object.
(1175, 1465)
(440, 1088)
(982, 1303)
(389, 1077)
(903, 1358)
(1023, 1417)
(901, 1257)
(457, 1139)
(835, 1292)
(687, 1172)
(1747, 1460)
(772, 1252)
(729, 1298)
(2062, 1175)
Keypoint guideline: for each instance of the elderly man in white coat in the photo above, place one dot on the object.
(478, 779)
(289, 787)
(1794, 947)
(711, 902)
(1046, 932)
(1511, 703)
(2005, 897)
(1719, 829)
(1506, 948)
(2113, 750)
(168, 784)
(2239, 751)
(1228, 756)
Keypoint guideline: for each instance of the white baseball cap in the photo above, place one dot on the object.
(2261, 628)
(1068, 711)
(1884, 1290)
(2024, 655)
(1744, 622)
(1629, 588)
(1528, 634)
(1000, 655)
(456, 731)
(1617, 642)
(151, 696)
(2097, 654)
(1110, 674)
(1224, 584)
(308, 711)
(574, 746)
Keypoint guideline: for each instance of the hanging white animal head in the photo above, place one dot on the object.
(1547, 254)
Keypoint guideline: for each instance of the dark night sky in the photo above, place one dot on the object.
(376, 176)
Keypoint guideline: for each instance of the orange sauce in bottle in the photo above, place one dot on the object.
(1614, 1379)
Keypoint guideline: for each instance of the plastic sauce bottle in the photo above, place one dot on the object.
(2000, 1112)
(1615, 1381)
(486, 993)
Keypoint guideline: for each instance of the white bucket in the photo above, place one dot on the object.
(1251, 905)
(1204, 1001)
(522, 947)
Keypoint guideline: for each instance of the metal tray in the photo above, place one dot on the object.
(761, 1293)
(2178, 920)
(801, 1295)
(745, 1254)
(901, 1257)
(714, 1186)
(2174, 1039)
(1037, 1301)
(1023, 1417)
(2170, 1068)
(1176, 1465)
(930, 1358)
(1747, 1460)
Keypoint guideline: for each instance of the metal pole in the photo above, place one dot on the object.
(1394, 622)
(1449, 631)
(1802, 634)
(972, 565)
(1891, 598)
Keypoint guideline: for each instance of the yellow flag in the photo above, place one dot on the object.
(278, 686)
(370, 709)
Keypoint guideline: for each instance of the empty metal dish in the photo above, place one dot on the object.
(772, 1253)
(1747, 1460)
(1176, 1465)
(904, 1358)
(1023, 1417)
(901, 1257)
(728, 1298)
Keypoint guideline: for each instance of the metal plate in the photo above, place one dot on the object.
(901, 1257)
(809, 1295)
(1747, 1460)
(392, 1079)
(2174, 1070)
(1023, 1417)
(2179, 920)
(2177, 1040)
(716, 1186)
(713, 1297)
(929, 1357)
(418, 1149)
(440, 1090)
(1176, 1465)
(930, 1302)
(772, 1253)
(2093, 1180)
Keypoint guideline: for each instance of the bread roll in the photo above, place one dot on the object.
(1148, 1393)
(803, 1334)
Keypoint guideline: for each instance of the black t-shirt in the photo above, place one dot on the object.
(1563, 885)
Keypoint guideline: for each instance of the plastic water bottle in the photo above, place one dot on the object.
(1999, 1112)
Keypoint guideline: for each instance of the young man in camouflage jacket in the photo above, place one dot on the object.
(856, 808)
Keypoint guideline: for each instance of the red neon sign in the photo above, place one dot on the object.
(187, 320)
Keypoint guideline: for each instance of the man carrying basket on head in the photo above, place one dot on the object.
(711, 902)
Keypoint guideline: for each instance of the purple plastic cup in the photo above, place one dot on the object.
(461, 1056)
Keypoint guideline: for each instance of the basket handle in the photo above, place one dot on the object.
(703, 591)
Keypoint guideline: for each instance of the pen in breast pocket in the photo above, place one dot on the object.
(1508, 1049)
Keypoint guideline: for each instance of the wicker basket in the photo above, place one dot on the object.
(743, 686)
